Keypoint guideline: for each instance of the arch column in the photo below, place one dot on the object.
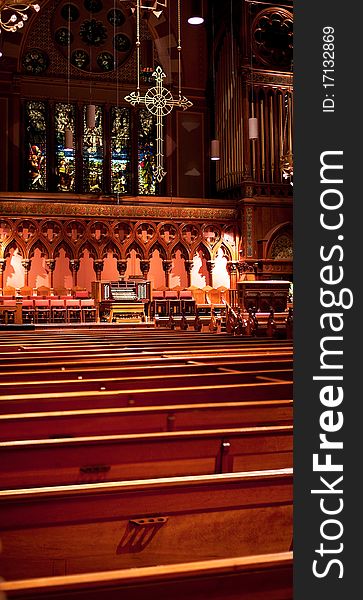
(122, 267)
(74, 267)
(210, 267)
(2, 269)
(188, 267)
(50, 262)
(167, 266)
(26, 264)
(98, 267)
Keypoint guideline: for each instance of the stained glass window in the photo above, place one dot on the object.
(147, 153)
(93, 153)
(120, 151)
(36, 134)
(65, 157)
(128, 145)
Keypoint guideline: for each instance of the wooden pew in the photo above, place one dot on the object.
(17, 358)
(15, 403)
(170, 340)
(182, 368)
(267, 576)
(106, 421)
(132, 381)
(81, 528)
(36, 463)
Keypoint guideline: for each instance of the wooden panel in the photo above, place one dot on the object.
(190, 134)
(89, 525)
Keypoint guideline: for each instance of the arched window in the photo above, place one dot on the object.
(115, 157)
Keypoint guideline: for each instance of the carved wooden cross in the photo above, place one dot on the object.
(160, 102)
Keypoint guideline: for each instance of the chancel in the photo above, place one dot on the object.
(146, 299)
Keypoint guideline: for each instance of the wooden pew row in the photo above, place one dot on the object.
(108, 421)
(143, 362)
(132, 381)
(133, 341)
(147, 337)
(45, 462)
(14, 357)
(18, 403)
(267, 576)
(120, 336)
(82, 528)
(160, 369)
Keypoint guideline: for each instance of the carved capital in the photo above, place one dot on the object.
(98, 265)
(188, 265)
(210, 265)
(74, 265)
(167, 265)
(50, 262)
(26, 264)
(145, 267)
(122, 267)
(232, 267)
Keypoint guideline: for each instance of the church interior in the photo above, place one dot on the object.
(146, 299)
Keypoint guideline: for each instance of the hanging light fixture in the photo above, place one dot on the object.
(214, 145)
(252, 121)
(214, 150)
(91, 108)
(158, 100)
(68, 133)
(152, 6)
(13, 13)
(196, 16)
(91, 116)
(68, 143)
(252, 128)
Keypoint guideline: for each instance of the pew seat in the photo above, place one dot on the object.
(267, 576)
(35, 463)
(104, 526)
(106, 421)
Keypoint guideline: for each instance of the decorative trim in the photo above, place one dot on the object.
(284, 80)
(57, 209)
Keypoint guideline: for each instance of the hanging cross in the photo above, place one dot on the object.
(160, 102)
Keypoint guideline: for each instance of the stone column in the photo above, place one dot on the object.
(145, 268)
(188, 267)
(74, 267)
(26, 263)
(98, 267)
(167, 266)
(122, 267)
(210, 267)
(50, 262)
(2, 269)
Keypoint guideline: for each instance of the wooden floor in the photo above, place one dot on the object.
(125, 449)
